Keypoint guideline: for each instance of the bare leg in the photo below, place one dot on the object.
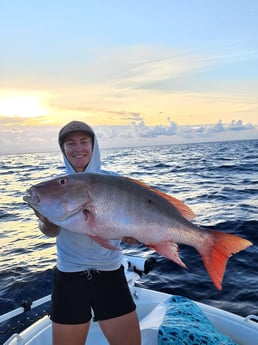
(70, 334)
(122, 330)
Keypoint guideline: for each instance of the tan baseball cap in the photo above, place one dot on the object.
(74, 126)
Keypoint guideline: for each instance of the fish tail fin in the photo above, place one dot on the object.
(216, 254)
(169, 249)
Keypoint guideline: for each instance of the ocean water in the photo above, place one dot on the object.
(219, 181)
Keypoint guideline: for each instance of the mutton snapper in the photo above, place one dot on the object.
(107, 207)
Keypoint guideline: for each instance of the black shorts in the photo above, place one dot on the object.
(76, 295)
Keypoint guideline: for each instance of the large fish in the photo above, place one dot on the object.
(108, 207)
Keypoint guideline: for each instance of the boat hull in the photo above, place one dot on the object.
(241, 330)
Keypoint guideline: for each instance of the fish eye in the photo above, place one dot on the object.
(63, 181)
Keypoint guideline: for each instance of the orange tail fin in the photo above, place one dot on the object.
(216, 254)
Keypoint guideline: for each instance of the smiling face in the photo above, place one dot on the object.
(78, 148)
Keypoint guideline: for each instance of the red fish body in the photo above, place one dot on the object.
(108, 207)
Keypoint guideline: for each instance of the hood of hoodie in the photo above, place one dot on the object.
(94, 164)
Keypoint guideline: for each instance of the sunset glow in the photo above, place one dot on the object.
(140, 72)
(22, 106)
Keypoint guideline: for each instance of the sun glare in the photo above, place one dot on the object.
(23, 106)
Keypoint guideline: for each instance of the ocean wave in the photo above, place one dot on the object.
(217, 180)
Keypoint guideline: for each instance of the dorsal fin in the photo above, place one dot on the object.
(184, 210)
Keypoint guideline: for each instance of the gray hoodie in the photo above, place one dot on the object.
(77, 252)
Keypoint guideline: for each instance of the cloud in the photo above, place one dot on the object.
(217, 128)
(154, 131)
(239, 126)
(139, 133)
(135, 66)
(144, 79)
(18, 135)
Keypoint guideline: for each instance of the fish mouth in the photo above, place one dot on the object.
(32, 197)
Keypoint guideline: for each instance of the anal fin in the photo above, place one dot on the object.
(169, 249)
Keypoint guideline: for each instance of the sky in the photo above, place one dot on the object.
(140, 72)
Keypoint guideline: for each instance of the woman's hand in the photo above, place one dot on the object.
(49, 229)
(130, 240)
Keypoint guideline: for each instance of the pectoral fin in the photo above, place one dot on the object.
(104, 243)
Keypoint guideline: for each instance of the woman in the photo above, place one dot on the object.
(88, 276)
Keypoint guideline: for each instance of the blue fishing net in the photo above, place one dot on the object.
(185, 324)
